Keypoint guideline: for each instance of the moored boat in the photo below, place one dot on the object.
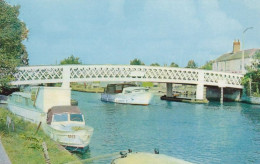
(126, 94)
(147, 158)
(66, 124)
(63, 123)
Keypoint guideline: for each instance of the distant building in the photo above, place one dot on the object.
(232, 62)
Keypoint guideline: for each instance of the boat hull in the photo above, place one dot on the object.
(77, 140)
(135, 99)
(27, 114)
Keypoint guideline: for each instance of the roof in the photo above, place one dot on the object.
(61, 109)
(238, 55)
(23, 94)
(133, 88)
(122, 84)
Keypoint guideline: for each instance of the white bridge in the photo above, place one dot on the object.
(83, 73)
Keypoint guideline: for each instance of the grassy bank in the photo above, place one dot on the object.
(81, 88)
(24, 146)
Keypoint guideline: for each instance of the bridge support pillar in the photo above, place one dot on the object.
(200, 92)
(169, 90)
(66, 77)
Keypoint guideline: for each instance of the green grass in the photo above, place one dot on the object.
(147, 84)
(81, 88)
(24, 146)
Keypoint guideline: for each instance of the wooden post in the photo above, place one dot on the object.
(38, 127)
(222, 95)
(250, 87)
(46, 155)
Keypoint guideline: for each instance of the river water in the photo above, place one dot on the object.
(199, 133)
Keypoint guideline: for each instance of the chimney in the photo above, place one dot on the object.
(236, 46)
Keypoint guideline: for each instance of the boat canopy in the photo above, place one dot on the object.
(118, 88)
(61, 109)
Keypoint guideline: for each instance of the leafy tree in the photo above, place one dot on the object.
(256, 61)
(251, 80)
(155, 64)
(70, 60)
(174, 65)
(208, 65)
(136, 62)
(12, 51)
(191, 64)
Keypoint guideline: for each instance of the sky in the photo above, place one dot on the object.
(117, 31)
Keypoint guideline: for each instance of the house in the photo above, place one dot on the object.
(233, 62)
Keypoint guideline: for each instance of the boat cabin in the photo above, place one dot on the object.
(117, 88)
(65, 115)
(21, 99)
(135, 90)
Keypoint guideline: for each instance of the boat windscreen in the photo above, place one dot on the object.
(60, 117)
(76, 117)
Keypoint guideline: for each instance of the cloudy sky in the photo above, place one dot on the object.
(117, 31)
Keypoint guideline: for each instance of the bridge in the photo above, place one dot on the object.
(126, 73)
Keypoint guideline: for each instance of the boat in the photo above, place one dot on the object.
(66, 124)
(126, 93)
(146, 158)
(62, 122)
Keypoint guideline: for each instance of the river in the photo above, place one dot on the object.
(199, 133)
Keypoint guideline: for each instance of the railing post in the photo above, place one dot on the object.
(66, 77)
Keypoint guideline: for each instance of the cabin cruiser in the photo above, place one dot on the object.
(62, 122)
(126, 94)
(66, 124)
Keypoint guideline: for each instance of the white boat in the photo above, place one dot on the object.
(63, 123)
(147, 158)
(66, 124)
(126, 94)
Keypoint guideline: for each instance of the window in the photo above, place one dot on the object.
(76, 117)
(60, 117)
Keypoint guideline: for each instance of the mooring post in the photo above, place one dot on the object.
(222, 95)
(38, 127)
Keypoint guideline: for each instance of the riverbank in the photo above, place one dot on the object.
(24, 146)
(81, 88)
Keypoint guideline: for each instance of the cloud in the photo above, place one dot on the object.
(116, 8)
(252, 4)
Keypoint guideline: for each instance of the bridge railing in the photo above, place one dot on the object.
(78, 73)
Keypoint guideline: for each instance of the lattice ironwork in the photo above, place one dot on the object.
(77, 73)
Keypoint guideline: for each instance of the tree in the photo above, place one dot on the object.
(12, 51)
(174, 65)
(136, 62)
(70, 60)
(256, 61)
(155, 64)
(208, 65)
(191, 64)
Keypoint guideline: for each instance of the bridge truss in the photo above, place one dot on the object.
(126, 73)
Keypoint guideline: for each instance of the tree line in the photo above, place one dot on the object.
(190, 64)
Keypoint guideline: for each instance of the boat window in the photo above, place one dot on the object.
(60, 117)
(128, 91)
(76, 117)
